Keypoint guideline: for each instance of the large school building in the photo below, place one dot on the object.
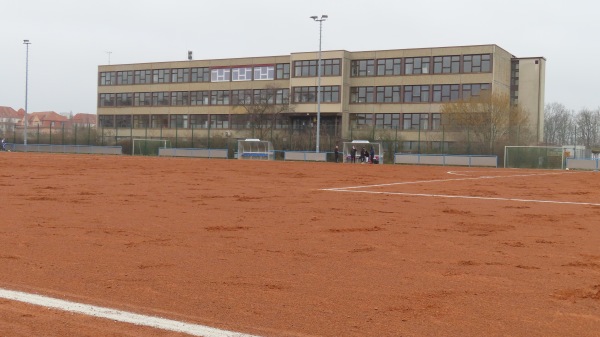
(401, 89)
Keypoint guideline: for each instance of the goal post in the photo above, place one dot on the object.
(255, 149)
(359, 145)
(149, 147)
(539, 157)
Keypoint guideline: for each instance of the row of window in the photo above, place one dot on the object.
(454, 64)
(416, 93)
(308, 94)
(329, 94)
(407, 121)
(200, 74)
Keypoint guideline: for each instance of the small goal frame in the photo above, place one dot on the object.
(141, 147)
(537, 157)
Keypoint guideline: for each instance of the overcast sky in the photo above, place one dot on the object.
(71, 38)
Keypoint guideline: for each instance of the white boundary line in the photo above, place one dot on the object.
(118, 315)
(353, 189)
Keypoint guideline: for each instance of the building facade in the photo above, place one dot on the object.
(400, 90)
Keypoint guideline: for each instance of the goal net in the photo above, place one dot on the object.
(542, 157)
(255, 149)
(360, 146)
(149, 147)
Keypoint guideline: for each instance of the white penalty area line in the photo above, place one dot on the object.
(469, 197)
(118, 315)
(355, 189)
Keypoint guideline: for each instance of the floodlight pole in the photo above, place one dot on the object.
(320, 21)
(26, 43)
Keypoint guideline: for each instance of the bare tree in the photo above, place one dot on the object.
(587, 122)
(558, 124)
(488, 121)
(263, 108)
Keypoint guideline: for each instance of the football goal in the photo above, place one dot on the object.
(542, 157)
(255, 149)
(149, 147)
(361, 145)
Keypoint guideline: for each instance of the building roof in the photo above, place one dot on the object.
(47, 116)
(84, 118)
(8, 112)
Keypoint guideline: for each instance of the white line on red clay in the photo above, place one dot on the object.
(118, 315)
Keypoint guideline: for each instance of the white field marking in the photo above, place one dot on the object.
(471, 197)
(434, 181)
(118, 315)
(353, 189)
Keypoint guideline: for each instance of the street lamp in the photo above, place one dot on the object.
(26, 43)
(320, 21)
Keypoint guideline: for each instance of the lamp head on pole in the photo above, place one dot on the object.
(316, 18)
(26, 42)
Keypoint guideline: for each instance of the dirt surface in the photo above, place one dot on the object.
(260, 248)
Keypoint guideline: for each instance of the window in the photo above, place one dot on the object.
(415, 121)
(305, 68)
(124, 99)
(180, 97)
(445, 92)
(142, 99)
(474, 90)
(123, 121)
(241, 97)
(219, 121)
(108, 78)
(161, 98)
(362, 94)
(436, 121)
(477, 63)
(282, 96)
(241, 74)
(305, 94)
(264, 96)
(124, 77)
(179, 121)
(387, 121)
(220, 75)
(416, 65)
(389, 94)
(161, 75)
(361, 119)
(199, 97)
(200, 75)
(143, 76)
(330, 67)
(264, 73)
(199, 121)
(240, 122)
(389, 67)
(180, 75)
(106, 121)
(219, 97)
(360, 68)
(446, 64)
(330, 94)
(107, 100)
(141, 121)
(416, 93)
(283, 71)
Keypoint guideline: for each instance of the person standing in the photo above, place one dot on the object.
(336, 153)
(353, 154)
(372, 155)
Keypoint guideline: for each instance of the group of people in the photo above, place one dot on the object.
(365, 156)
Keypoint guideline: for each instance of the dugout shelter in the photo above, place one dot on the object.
(359, 144)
